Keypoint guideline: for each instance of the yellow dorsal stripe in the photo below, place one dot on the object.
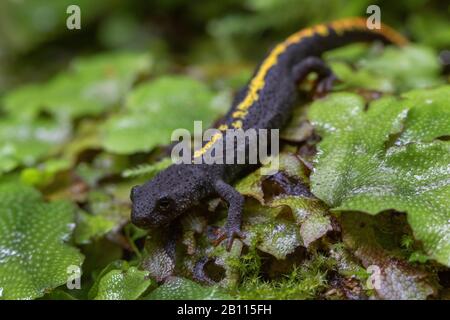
(258, 81)
(339, 26)
(358, 23)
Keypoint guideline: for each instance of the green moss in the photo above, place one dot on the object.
(247, 265)
(306, 281)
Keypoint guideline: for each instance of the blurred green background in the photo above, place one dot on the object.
(34, 41)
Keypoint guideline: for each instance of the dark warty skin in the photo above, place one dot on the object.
(173, 191)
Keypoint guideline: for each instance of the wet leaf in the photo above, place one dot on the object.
(363, 162)
(154, 110)
(104, 204)
(125, 283)
(251, 185)
(183, 289)
(429, 119)
(104, 165)
(391, 276)
(92, 85)
(391, 70)
(270, 233)
(105, 215)
(25, 142)
(360, 78)
(310, 214)
(33, 254)
(408, 67)
(91, 227)
(289, 165)
(310, 220)
(59, 294)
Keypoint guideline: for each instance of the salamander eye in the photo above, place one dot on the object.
(133, 193)
(164, 204)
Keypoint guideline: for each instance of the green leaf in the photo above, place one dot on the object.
(280, 234)
(107, 214)
(154, 110)
(309, 213)
(430, 117)
(112, 265)
(361, 78)
(24, 142)
(91, 86)
(371, 238)
(98, 254)
(183, 289)
(421, 25)
(91, 227)
(388, 158)
(33, 254)
(103, 165)
(127, 283)
(58, 294)
(45, 173)
(391, 70)
(298, 129)
(289, 165)
(270, 233)
(148, 170)
(26, 25)
(408, 67)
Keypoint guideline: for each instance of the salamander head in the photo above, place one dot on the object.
(162, 199)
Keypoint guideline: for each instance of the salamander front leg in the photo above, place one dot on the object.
(235, 202)
(325, 76)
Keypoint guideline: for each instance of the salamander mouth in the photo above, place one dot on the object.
(147, 221)
(141, 221)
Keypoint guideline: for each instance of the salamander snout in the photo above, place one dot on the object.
(149, 209)
(140, 219)
(141, 209)
(143, 217)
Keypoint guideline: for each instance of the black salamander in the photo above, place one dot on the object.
(265, 103)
